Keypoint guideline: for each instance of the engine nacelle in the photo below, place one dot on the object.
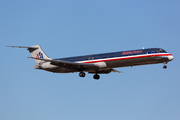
(47, 65)
(101, 64)
(37, 66)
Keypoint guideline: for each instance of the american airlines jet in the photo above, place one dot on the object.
(98, 63)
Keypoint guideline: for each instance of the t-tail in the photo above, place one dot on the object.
(36, 52)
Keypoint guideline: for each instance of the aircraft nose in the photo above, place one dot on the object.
(170, 57)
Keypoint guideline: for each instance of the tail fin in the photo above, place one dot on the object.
(35, 51)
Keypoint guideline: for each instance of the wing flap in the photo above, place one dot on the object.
(113, 70)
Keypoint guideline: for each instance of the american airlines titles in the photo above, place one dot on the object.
(131, 52)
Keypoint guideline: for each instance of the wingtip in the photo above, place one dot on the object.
(113, 70)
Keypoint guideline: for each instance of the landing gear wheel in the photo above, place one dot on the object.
(82, 74)
(96, 76)
(164, 66)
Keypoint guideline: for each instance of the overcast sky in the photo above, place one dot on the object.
(81, 27)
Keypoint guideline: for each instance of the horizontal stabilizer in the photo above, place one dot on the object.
(23, 47)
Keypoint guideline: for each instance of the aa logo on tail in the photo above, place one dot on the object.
(40, 55)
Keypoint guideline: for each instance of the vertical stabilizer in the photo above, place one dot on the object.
(37, 52)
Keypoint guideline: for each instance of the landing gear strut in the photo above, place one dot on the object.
(82, 74)
(96, 76)
(165, 65)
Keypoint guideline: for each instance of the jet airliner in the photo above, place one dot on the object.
(98, 63)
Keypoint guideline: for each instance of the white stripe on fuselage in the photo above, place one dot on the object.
(124, 57)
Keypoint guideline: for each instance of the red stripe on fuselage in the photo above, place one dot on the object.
(127, 57)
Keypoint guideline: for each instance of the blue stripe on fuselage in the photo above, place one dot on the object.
(112, 55)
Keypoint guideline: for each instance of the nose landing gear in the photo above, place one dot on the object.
(164, 66)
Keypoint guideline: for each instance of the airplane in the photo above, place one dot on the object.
(98, 63)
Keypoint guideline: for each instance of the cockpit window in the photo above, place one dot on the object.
(161, 51)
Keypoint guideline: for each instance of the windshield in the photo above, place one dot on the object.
(161, 51)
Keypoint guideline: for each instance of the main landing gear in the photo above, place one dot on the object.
(82, 74)
(96, 76)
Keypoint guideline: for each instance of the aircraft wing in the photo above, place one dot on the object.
(70, 65)
(113, 70)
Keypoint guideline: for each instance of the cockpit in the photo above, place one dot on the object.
(161, 51)
(157, 50)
